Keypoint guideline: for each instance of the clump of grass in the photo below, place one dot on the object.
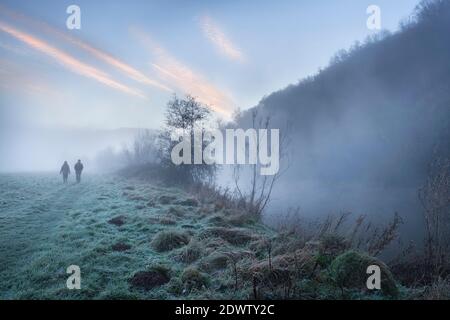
(175, 211)
(190, 253)
(164, 199)
(169, 240)
(135, 197)
(348, 271)
(287, 242)
(151, 203)
(167, 220)
(413, 269)
(260, 247)
(240, 219)
(217, 220)
(214, 243)
(329, 247)
(219, 206)
(117, 221)
(189, 202)
(154, 277)
(277, 267)
(215, 261)
(175, 286)
(192, 278)
(277, 277)
(120, 246)
(439, 290)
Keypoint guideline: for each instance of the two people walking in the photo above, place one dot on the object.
(65, 171)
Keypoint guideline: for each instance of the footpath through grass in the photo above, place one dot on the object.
(117, 231)
(135, 240)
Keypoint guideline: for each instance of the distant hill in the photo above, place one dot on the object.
(371, 120)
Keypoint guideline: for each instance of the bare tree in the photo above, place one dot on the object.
(257, 195)
(144, 148)
(435, 199)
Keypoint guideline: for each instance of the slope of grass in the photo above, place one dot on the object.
(111, 228)
(134, 240)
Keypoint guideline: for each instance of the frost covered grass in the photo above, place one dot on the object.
(135, 240)
(111, 227)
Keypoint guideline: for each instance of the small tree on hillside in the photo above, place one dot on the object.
(183, 117)
(186, 114)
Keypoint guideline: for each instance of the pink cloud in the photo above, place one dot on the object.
(68, 61)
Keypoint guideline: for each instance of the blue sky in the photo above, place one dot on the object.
(129, 57)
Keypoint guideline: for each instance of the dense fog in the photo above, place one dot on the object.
(26, 149)
(363, 131)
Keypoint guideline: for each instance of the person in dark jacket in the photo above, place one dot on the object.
(65, 171)
(78, 169)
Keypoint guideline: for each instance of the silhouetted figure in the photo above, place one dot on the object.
(65, 171)
(78, 169)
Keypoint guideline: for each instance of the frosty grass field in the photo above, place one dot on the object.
(106, 225)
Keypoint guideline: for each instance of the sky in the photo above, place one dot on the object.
(71, 93)
(129, 57)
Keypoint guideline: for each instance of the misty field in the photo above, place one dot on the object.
(137, 240)
(105, 225)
